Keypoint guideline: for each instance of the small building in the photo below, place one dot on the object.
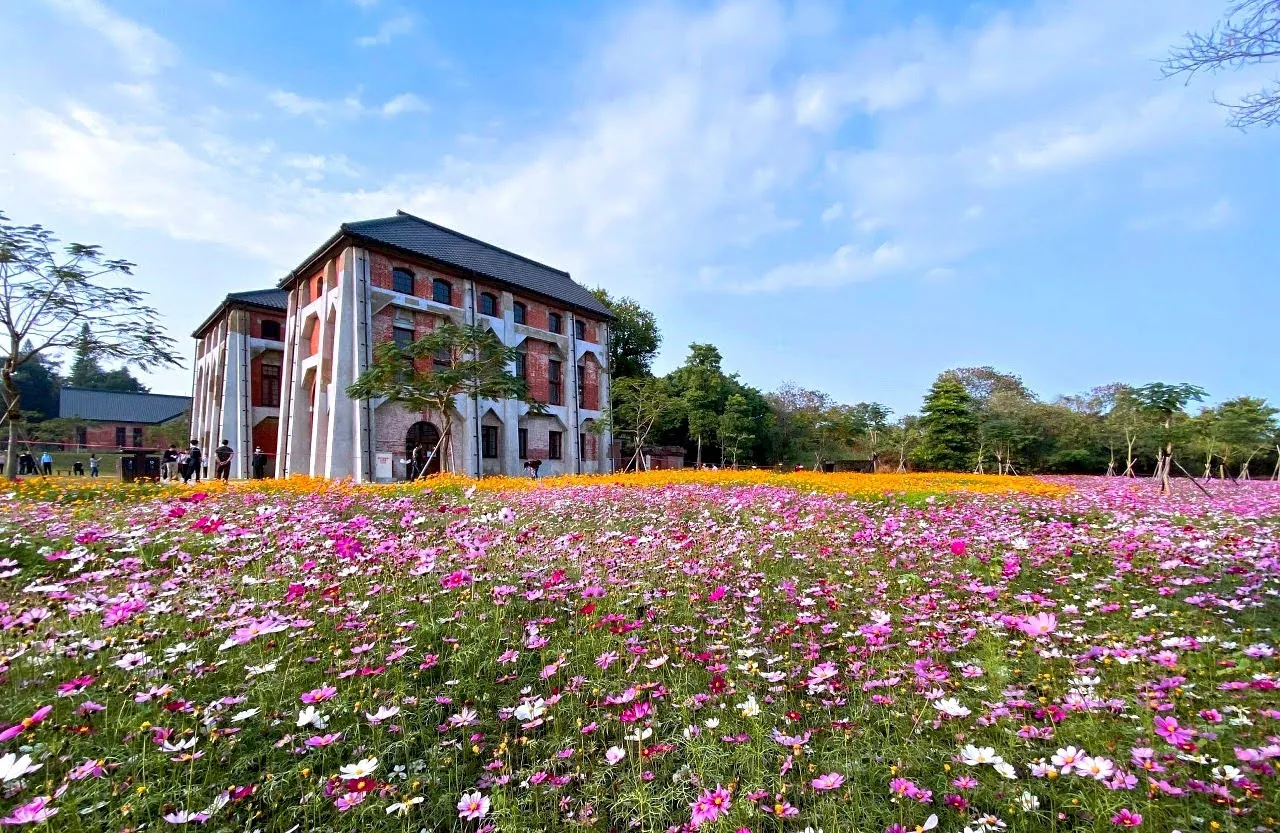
(239, 353)
(115, 420)
(652, 458)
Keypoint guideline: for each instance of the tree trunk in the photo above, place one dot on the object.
(12, 410)
(698, 463)
(1111, 464)
(1164, 469)
(1128, 467)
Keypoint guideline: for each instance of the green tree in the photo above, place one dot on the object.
(1246, 426)
(737, 426)
(478, 365)
(903, 436)
(949, 427)
(48, 293)
(38, 384)
(703, 390)
(634, 337)
(86, 372)
(1125, 422)
(1164, 402)
(874, 419)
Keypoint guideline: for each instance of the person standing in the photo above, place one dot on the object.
(169, 463)
(194, 460)
(259, 464)
(418, 462)
(46, 463)
(93, 465)
(222, 461)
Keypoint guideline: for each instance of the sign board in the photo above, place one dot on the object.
(382, 465)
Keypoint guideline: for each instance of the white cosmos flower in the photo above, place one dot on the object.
(749, 707)
(1006, 770)
(403, 807)
(531, 711)
(951, 707)
(128, 662)
(977, 755)
(384, 713)
(240, 717)
(311, 716)
(12, 767)
(639, 735)
(361, 769)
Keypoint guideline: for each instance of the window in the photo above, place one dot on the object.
(441, 292)
(554, 323)
(403, 336)
(271, 330)
(521, 372)
(555, 443)
(582, 372)
(524, 443)
(580, 329)
(270, 386)
(582, 447)
(442, 358)
(120, 434)
(489, 441)
(518, 311)
(488, 304)
(402, 281)
(137, 436)
(553, 383)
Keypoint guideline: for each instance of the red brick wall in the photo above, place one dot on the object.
(591, 328)
(102, 436)
(313, 344)
(590, 382)
(537, 354)
(381, 266)
(256, 319)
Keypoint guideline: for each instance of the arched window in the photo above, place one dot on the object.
(518, 311)
(402, 281)
(271, 330)
(554, 322)
(488, 304)
(441, 292)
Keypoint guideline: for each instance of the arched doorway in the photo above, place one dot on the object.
(428, 435)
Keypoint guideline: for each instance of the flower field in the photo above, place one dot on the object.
(717, 651)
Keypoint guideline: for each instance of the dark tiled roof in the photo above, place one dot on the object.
(272, 299)
(113, 406)
(267, 298)
(419, 236)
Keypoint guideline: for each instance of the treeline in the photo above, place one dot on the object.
(972, 419)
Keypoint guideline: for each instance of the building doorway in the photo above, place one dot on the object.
(428, 435)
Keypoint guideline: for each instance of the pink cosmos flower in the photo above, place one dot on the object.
(321, 741)
(1126, 818)
(348, 800)
(473, 806)
(318, 695)
(1040, 624)
(458, 578)
(18, 728)
(958, 546)
(717, 594)
(33, 812)
(710, 806)
(830, 781)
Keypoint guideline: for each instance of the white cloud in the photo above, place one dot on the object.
(831, 213)
(143, 51)
(404, 103)
(389, 29)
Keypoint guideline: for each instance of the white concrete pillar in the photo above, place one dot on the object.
(341, 427)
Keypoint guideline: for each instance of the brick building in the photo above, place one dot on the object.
(115, 420)
(396, 278)
(238, 371)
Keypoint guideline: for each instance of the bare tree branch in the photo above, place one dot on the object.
(1249, 34)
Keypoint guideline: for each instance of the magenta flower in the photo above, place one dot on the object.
(318, 695)
(830, 781)
(33, 812)
(1126, 818)
(710, 806)
(1040, 624)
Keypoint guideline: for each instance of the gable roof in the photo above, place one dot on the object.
(116, 406)
(275, 300)
(424, 238)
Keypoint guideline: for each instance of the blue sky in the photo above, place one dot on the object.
(851, 196)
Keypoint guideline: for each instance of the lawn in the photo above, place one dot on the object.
(714, 651)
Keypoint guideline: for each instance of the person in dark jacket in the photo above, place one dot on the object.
(194, 459)
(259, 464)
(222, 461)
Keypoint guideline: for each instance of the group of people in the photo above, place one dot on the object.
(189, 464)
